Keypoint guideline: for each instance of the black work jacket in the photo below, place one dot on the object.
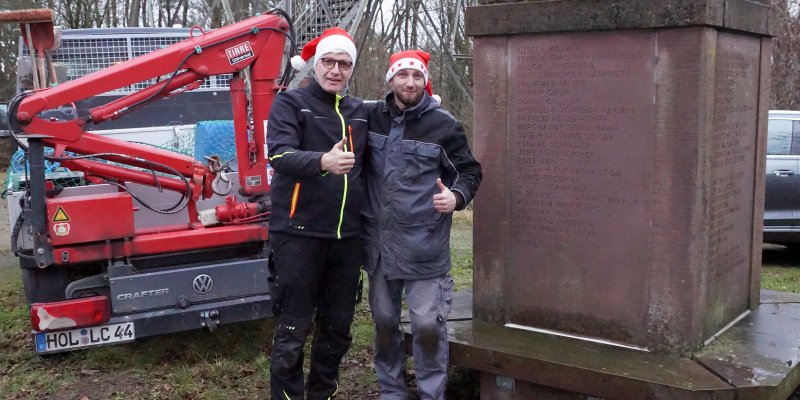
(303, 125)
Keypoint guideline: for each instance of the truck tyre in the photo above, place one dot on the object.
(43, 285)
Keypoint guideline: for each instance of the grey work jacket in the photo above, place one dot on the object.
(406, 152)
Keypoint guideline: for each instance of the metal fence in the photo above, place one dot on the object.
(84, 51)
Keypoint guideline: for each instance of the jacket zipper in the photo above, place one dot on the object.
(344, 195)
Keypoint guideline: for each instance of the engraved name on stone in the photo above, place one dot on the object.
(563, 138)
(731, 159)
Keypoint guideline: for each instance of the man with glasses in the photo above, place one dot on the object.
(316, 139)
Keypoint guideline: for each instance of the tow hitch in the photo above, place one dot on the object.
(210, 319)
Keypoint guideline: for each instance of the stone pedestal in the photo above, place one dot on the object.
(623, 148)
(617, 232)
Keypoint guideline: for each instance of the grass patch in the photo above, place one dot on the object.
(233, 362)
(230, 363)
(783, 279)
(461, 249)
(781, 269)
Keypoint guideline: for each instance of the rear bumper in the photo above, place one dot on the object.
(151, 323)
(197, 316)
(156, 301)
(780, 235)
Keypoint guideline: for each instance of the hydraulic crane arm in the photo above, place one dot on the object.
(257, 42)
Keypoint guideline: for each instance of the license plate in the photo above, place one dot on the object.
(48, 342)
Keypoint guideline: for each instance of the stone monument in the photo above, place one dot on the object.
(623, 191)
(621, 206)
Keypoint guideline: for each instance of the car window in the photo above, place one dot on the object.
(795, 138)
(779, 137)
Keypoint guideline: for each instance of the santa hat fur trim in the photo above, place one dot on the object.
(332, 40)
(411, 59)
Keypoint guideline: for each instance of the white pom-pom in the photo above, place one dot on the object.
(298, 63)
(437, 98)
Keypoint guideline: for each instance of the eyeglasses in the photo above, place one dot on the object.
(344, 66)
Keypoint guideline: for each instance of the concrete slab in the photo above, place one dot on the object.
(756, 358)
(759, 354)
(772, 297)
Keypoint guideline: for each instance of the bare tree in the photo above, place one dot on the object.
(185, 16)
(168, 12)
(436, 26)
(78, 13)
(9, 34)
(441, 33)
(133, 12)
(786, 57)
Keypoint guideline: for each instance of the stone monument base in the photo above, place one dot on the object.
(755, 358)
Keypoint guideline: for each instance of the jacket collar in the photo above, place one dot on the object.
(425, 103)
(317, 91)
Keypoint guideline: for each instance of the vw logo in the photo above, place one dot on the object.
(202, 284)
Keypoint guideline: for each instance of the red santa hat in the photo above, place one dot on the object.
(332, 40)
(411, 59)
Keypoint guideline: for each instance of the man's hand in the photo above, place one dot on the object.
(337, 160)
(445, 201)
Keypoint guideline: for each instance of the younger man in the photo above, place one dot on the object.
(418, 170)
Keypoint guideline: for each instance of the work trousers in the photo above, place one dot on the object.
(316, 284)
(429, 302)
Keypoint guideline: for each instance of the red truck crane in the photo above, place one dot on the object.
(95, 273)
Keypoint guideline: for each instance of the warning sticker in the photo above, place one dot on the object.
(61, 215)
(61, 229)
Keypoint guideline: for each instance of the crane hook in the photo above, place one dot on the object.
(218, 168)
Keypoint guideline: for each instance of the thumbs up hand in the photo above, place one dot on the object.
(337, 160)
(445, 201)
